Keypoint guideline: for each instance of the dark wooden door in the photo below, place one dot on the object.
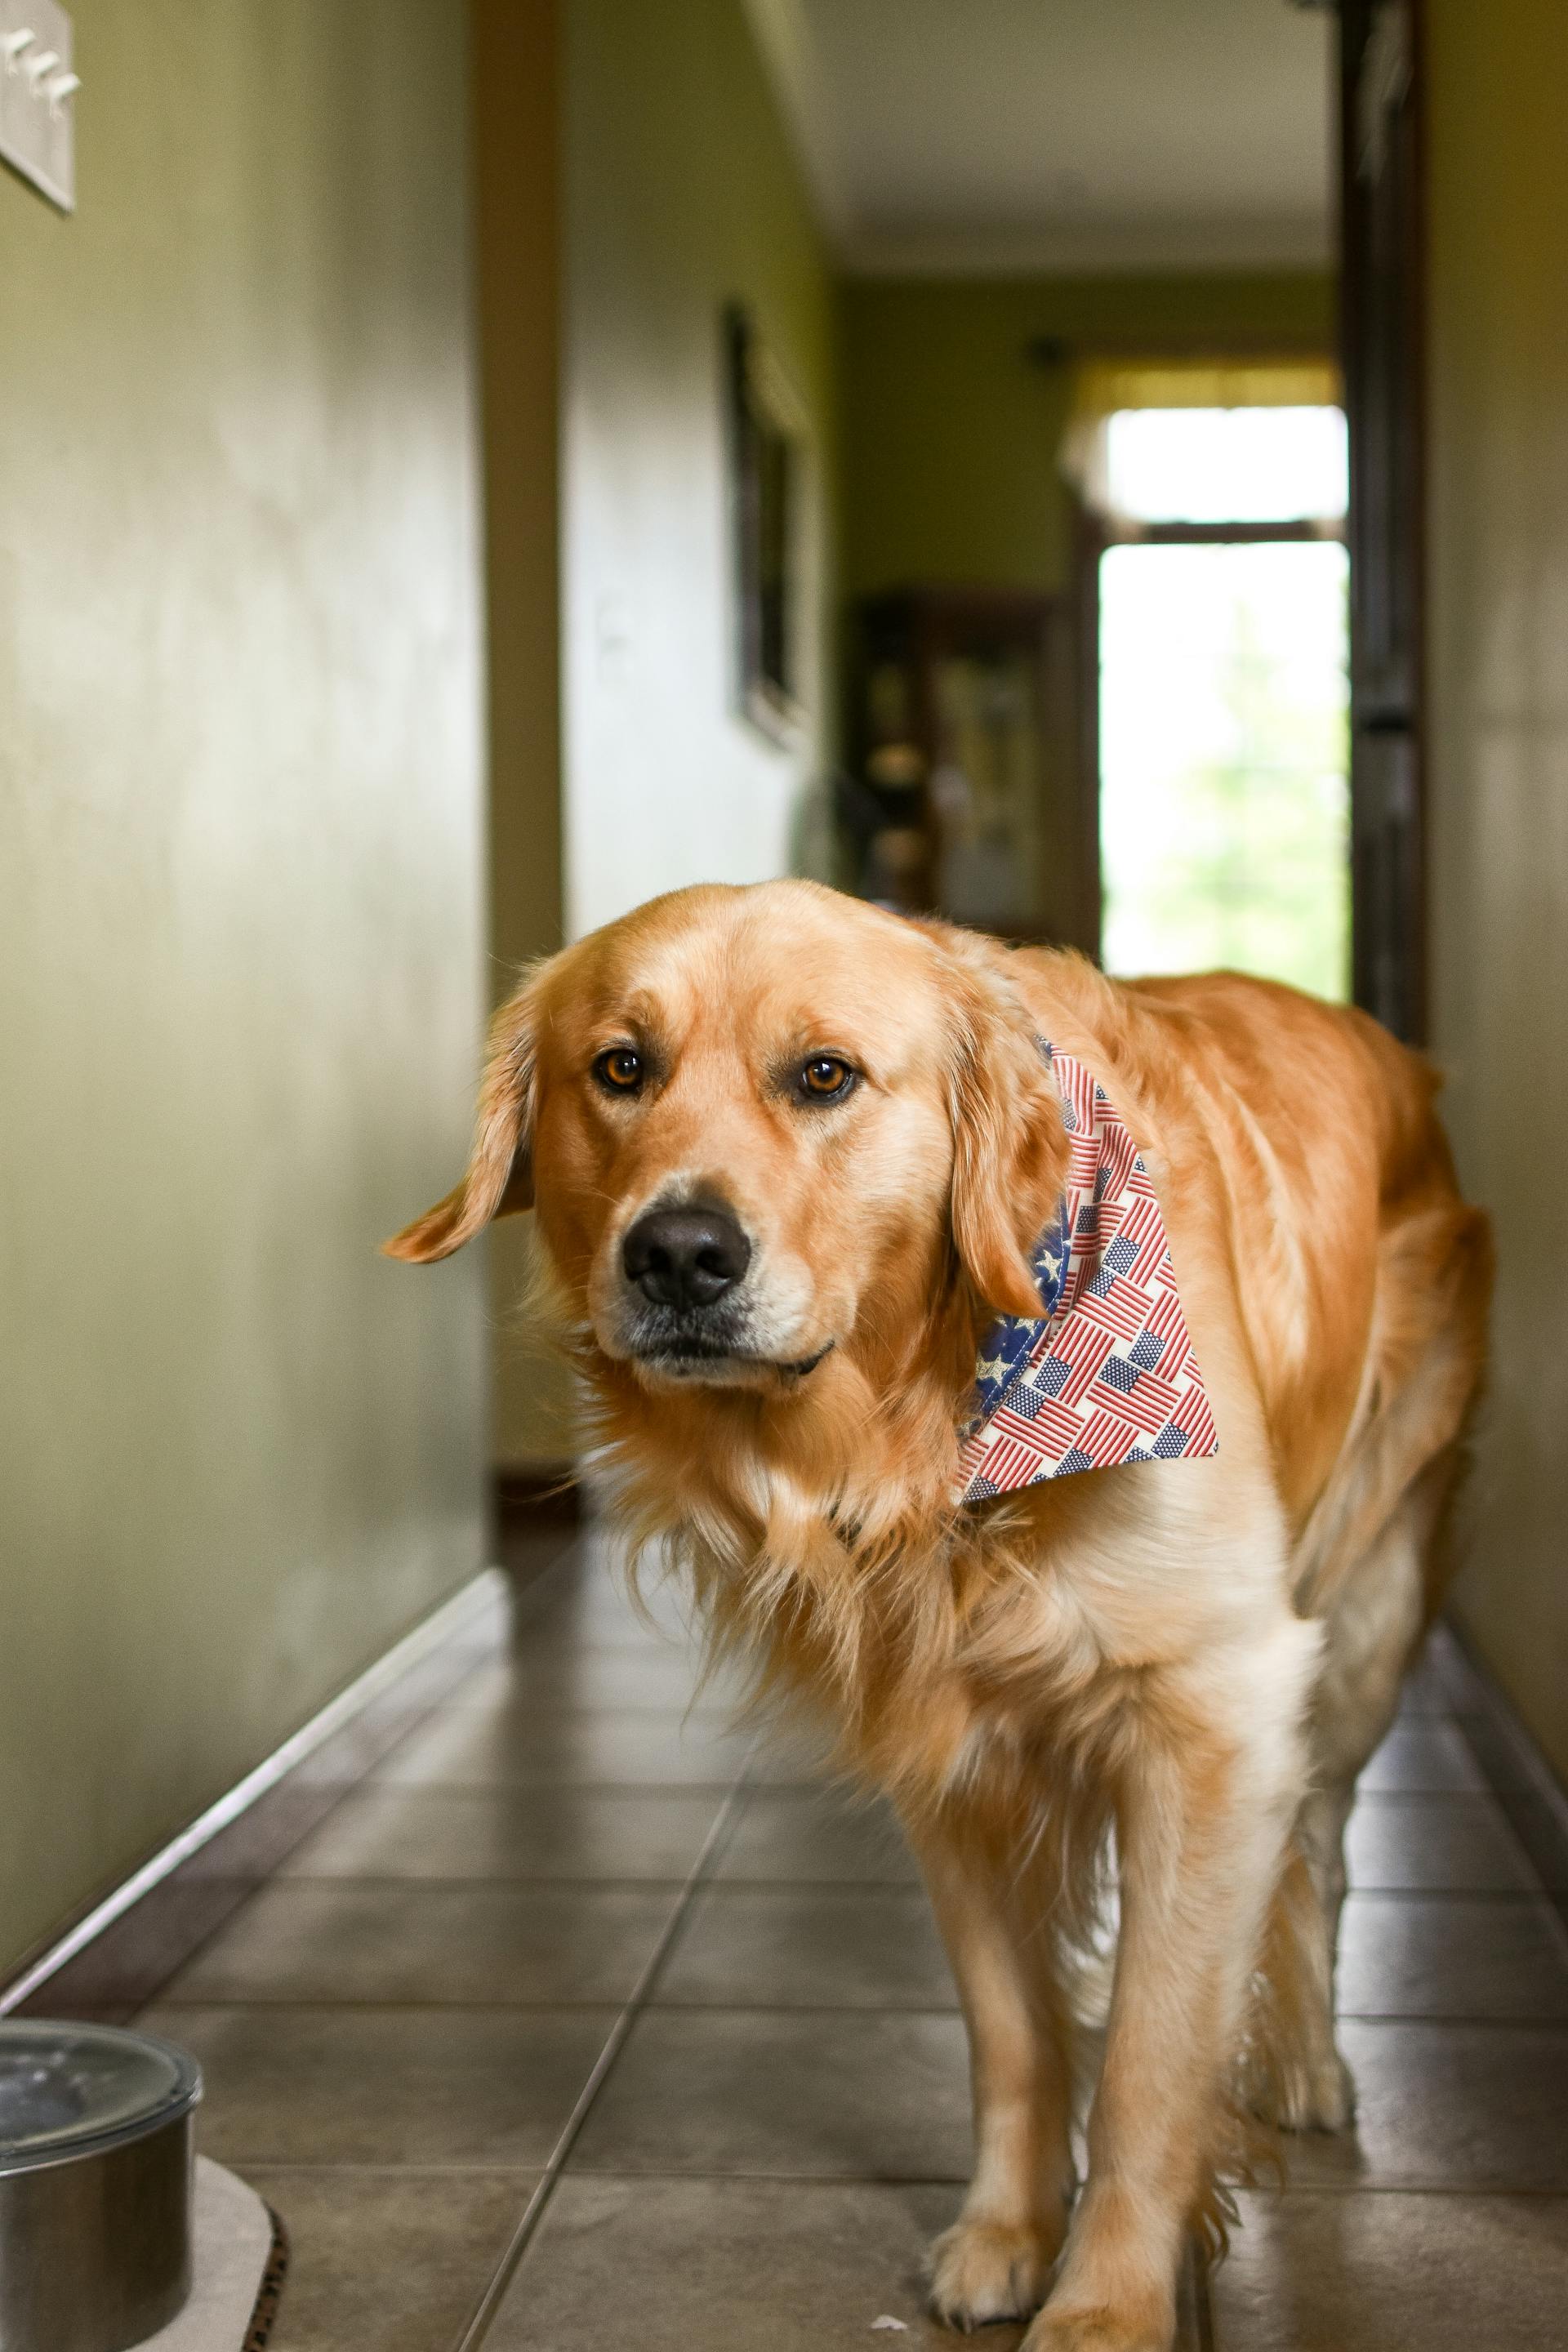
(1381, 289)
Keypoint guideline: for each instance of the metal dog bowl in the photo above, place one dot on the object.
(96, 2157)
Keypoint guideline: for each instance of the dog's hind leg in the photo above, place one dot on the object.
(995, 2261)
(1370, 1632)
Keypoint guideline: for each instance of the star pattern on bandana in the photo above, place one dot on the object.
(1105, 1374)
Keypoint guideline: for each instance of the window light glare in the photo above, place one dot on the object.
(1227, 465)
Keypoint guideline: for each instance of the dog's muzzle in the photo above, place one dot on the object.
(684, 1268)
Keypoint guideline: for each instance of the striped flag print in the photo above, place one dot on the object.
(1107, 1374)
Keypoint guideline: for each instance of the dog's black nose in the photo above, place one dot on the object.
(685, 1258)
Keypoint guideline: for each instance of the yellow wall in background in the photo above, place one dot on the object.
(241, 886)
(682, 195)
(1498, 645)
(951, 433)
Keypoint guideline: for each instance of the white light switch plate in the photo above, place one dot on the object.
(38, 97)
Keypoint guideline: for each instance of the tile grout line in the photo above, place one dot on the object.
(480, 2324)
(1417, 2185)
(429, 1882)
(559, 1881)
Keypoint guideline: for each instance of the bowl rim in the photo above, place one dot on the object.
(175, 2106)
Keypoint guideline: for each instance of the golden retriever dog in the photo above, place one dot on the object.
(789, 1157)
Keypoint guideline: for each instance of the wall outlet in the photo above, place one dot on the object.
(39, 84)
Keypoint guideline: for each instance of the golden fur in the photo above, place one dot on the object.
(1183, 1665)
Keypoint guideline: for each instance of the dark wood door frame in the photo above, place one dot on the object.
(1381, 331)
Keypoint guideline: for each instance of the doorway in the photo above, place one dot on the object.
(1220, 589)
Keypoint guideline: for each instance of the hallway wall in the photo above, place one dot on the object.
(682, 195)
(241, 880)
(1497, 397)
(940, 398)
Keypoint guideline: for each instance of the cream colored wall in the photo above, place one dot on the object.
(241, 884)
(682, 195)
(1498, 389)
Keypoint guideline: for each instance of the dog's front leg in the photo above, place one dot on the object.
(1201, 1815)
(996, 2260)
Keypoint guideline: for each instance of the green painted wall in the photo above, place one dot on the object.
(951, 434)
(241, 882)
(1498, 392)
(682, 195)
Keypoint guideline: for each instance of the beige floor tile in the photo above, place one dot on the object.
(77, 2012)
(1420, 1754)
(567, 1676)
(492, 1747)
(297, 1941)
(386, 2261)
(728, 2266)
(423, 2086)
(790, 1753)
(565, 1833)
(809, 1947)
(1470, 2106)
(806, 1833)
(878, 2096)
(1395, 2274)
(265, 1833)
(593, 1608)
(1437, 1955)
(1459, 1842)
(359, 1747)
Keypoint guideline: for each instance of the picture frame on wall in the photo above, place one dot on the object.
(768, 458)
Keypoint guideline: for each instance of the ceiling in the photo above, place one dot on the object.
(990, 136)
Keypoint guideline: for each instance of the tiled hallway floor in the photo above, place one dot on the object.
(577, 2015)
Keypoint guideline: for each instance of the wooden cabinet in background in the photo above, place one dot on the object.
(969, 794)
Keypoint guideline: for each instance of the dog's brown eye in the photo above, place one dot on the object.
(620, 1070)
(825, 1076)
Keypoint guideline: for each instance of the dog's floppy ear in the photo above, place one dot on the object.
(499, 1177)
(1009, 1139)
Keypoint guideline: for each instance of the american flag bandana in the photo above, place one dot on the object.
(1107, 1374)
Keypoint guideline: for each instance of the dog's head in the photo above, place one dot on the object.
(756, 1124)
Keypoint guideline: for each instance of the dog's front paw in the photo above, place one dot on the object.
(1140, 2327)
(983, 2270)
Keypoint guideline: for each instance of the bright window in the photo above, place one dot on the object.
(1226, 465)
(1225, 806)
